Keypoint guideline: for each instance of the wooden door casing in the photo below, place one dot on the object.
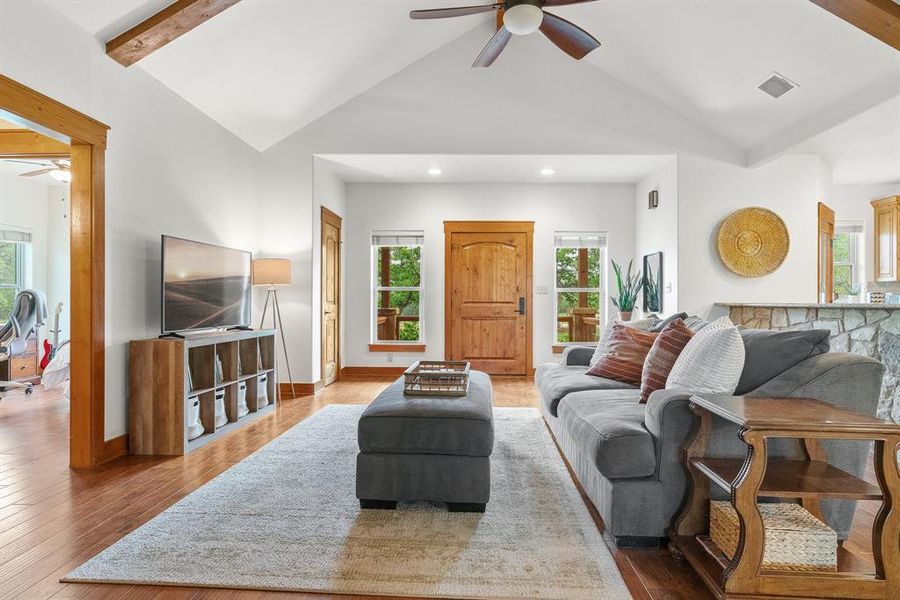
(331, 296)
(825, 283)
(488, 270)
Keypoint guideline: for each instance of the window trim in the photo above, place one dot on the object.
(376, 345)
(856, 235)
(602, 288)
(22, 265)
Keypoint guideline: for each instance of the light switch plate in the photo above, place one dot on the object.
(543, 290)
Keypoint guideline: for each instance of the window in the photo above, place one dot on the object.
(580, 290)
(847, 260)
(14, 250)
(397, 286)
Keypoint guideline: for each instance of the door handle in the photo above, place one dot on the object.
(521, 310)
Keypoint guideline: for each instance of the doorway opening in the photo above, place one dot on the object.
(42, 129)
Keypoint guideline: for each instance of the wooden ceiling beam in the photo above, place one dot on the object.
(24, 143)
(168, 24)
(878, 18)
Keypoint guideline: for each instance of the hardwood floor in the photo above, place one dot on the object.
(53, 518)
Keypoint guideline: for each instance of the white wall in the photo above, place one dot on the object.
(329, 191)
(425, 207)
(708, 191)
(58, 260)
(169, 169)
(657, 230)
(852, 203)
(439, 105)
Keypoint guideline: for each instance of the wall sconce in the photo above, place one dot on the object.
(654, 200)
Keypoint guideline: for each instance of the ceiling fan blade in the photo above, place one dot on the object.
(38, 172)
(445, 13)
(564, 2)
(25, 162)
(570, 38)
(493, 48)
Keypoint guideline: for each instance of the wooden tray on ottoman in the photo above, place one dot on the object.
(436, 378)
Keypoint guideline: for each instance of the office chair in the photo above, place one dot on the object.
(29, 313)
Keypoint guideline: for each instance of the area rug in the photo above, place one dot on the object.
(286, 518)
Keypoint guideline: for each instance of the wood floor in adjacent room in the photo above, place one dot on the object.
(53, 518)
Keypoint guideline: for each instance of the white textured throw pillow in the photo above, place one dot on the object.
(711, 362)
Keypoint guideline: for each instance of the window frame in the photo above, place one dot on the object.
(601, 290)
(856, 235)
(21, 266)
(374, 343)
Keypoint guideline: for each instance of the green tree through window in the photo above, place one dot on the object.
(9, 277)
(398, 279)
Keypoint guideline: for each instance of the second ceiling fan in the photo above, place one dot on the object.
(522, 17)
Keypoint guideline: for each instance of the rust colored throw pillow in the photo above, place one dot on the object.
(662, 356)
(626, 350)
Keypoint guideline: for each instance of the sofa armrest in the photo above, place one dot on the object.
(671, 422)
(577, 356)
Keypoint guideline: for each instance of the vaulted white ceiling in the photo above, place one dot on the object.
(266, 68)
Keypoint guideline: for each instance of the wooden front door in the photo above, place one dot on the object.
(331, 296)
(488, 295)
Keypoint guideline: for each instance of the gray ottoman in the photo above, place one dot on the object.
(427, 448)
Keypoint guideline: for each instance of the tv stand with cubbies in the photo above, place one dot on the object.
(167, 374)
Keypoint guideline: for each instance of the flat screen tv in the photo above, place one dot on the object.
(203, 286)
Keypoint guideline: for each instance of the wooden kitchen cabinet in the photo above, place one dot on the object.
(887, 213)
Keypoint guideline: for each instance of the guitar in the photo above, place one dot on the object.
(50, 349)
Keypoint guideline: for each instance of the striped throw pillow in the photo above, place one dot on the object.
(662, 356)
(626, 351)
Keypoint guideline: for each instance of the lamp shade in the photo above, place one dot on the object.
(271, 271)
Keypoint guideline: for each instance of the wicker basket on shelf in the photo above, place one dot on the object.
(795, 540)
(436, 378)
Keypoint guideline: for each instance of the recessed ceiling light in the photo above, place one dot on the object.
(547, 172)
(434, 171)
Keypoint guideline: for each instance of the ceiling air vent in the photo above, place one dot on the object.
(777, 85)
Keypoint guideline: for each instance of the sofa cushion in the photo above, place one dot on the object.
(771, 353)
(608, 428)
(555, 381)
(656, 328)
(626, 351)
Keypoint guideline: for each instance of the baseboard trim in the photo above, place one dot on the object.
(113, 449)
(301, 389)
(350, 372)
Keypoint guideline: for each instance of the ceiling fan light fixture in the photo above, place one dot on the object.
(523, 19)
(63, 175)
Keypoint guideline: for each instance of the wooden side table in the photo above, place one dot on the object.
(809, 480)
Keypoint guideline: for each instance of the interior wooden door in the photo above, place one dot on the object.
(488, 288)
(331, 296)
(826, 254)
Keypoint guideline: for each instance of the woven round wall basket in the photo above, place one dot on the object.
(753, 242)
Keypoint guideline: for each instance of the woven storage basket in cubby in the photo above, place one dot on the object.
(795, 540)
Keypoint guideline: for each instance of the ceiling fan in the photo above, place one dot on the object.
(59, 169)
(522, 17)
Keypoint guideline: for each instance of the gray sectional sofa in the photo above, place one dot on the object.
(627, 455)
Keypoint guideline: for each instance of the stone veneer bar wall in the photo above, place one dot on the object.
(868, 330)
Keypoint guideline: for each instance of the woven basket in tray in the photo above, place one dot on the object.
(795, 540)
(436, 378)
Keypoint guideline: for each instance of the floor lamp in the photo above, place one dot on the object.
(273, 272)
